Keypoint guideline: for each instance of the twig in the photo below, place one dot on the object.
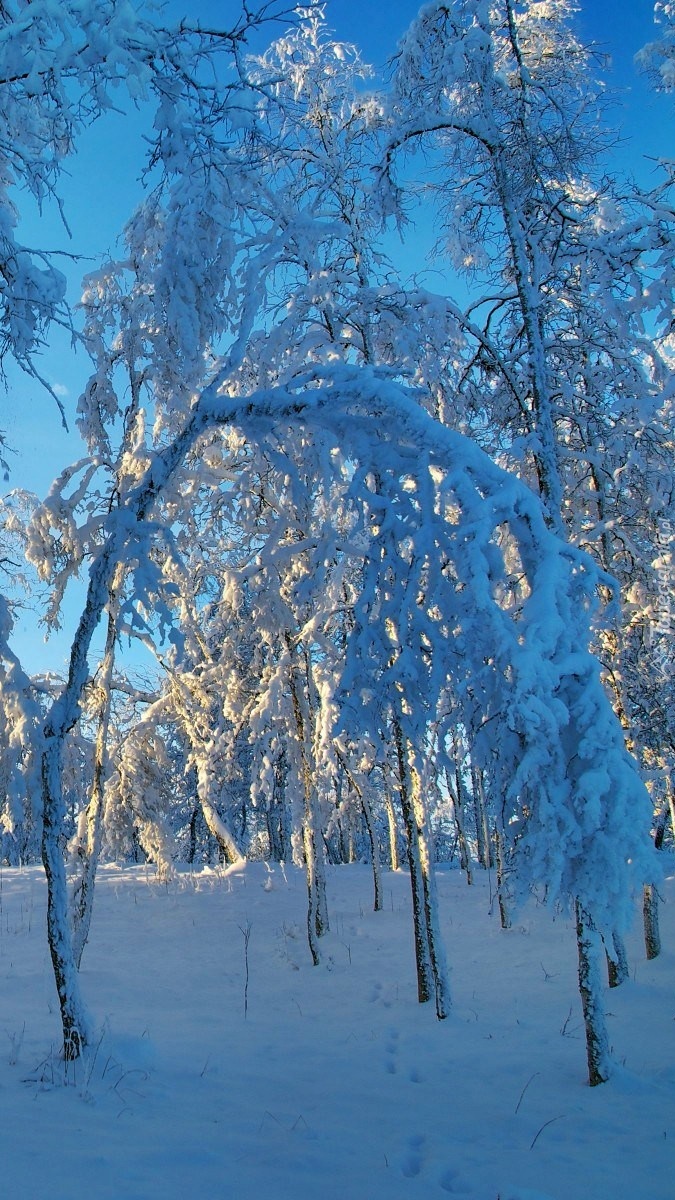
(524, 1091)
(546, 1123)
(246, 934)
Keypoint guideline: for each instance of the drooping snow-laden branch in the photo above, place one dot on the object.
(61, 66)
(657, 58)
(439, 505)
(568, 377)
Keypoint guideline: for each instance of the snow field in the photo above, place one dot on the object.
(334, 1082)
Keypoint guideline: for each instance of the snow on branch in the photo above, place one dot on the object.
(439, 528)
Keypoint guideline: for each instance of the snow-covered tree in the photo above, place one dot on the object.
(271, 479)
(657, 58)
(59, 64)
(566, 275)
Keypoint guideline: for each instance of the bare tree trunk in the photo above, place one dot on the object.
(63, 714)
(317, 910)
(671, 809)
(83, 893)
(483, 840)
(393, 827)
(371, 828)
(457, 798)
(436, 947)
(309, 847)
(650, 899)
(617, 961)
(502, 886)
(216, 825)
(73, 1014)
(650, 913)
(432, 977)
(425, 975)
(89, 853)
(374, 853)
(193, 835)
(278, 816)
(597, 1044)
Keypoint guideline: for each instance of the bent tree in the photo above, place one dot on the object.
(395, 543)
(529, 690)
(565, 271)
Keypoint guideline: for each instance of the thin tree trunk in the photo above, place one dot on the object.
(650, 899)
(617, 961)
(393, 827)
(597, 1044)
(278, 817)
(432, 977)
(371, 828)
(63, 714)
(322, 922)
(650, 912)
(83, 893)
(502, 886)
(660, 829)
(309, 847)
(73, 1014)
(436, 947)
(216, 825)
(193, 835)
(458, 812)
(483, 840)
(671, 809)
(374, 852)
(317, 910)
(425, 975)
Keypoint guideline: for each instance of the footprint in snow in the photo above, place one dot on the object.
(391, 1049)
(411, 1162)
(451, 1181)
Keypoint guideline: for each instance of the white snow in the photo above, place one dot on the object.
(335, 1083)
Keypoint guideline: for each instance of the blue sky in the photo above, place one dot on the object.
(102, 188)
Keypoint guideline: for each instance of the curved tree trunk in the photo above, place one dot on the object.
(73, 1014)
(370, 826)
(83, 893)
(216, 824)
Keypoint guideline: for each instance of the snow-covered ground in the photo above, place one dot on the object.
(328, 1083)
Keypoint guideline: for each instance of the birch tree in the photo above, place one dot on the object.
(657, 58)
(561, 276)
(78, 54)
(242, 334)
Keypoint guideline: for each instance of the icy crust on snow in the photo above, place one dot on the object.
(336, 1082)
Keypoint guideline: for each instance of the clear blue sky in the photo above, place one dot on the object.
(102, 189)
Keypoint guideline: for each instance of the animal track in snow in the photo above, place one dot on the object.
(452, 1181)
(412, 1159)
(391, 1050)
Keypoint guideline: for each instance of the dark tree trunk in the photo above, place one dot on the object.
(597, 1044)
(650, 912)
(617, 961)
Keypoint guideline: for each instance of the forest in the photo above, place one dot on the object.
(400, 560)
